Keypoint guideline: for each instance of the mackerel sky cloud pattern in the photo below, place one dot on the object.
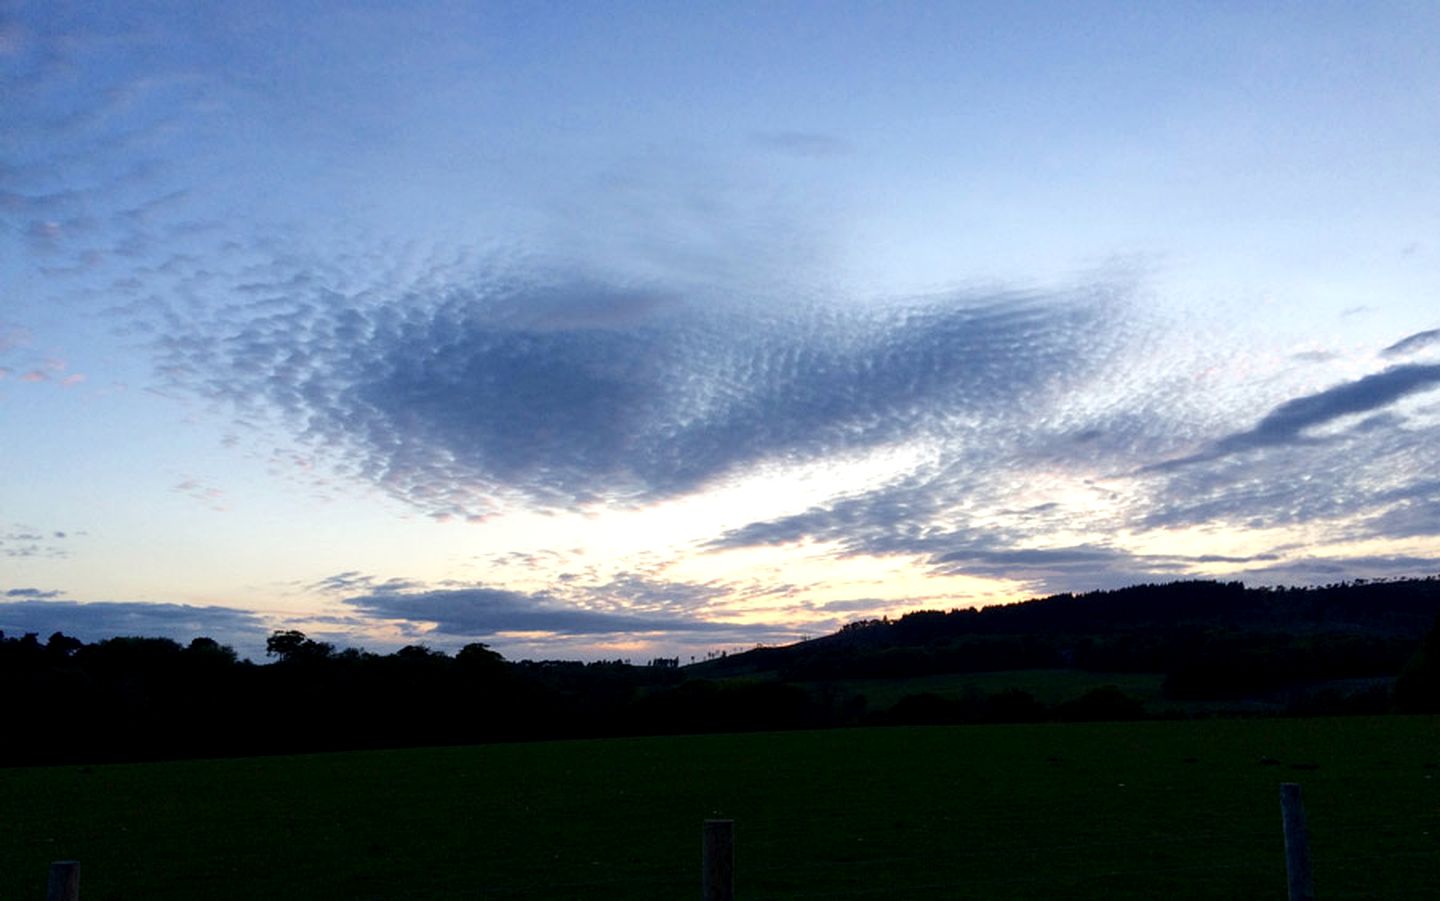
(586, 393)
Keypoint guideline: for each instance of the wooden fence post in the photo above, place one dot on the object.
(1297, 844)
(717, 861)
(64, 881)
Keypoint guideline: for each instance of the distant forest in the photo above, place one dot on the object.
(1352, 647)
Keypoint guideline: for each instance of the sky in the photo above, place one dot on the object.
(620, 330)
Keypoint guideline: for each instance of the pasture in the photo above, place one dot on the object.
(1048, 686)
(1134, 810)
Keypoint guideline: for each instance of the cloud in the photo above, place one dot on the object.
(569, 391)
(94, 111)
(890, 522)
(1084, 567)
(959, 516)
(211, 497)
(1411, 344)
(1089, 557)
(855, 605)
(1408, 511)
(96, 621)
(31, 593)
(480, 611)
(1287, 423)
(23, 541)
(886, 519)
(1315, 570)
(1371, 479)
(353, 580)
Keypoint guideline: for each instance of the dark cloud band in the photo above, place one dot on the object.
(96, 621)
(490, 611)
(1413, 343)
(1287, 423)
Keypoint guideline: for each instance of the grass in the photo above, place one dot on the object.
(1048, 686)
(1138, 810)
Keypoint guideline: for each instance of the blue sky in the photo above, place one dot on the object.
(598, 330)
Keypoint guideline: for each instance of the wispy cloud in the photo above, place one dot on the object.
(1368, 474)
(1371, 479)
(1413, 343)
(353, 580)
(211, 497)
(31, 594)
(1287, 423)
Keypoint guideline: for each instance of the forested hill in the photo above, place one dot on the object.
(1139, 628)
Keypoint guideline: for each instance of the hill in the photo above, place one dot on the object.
(1343, 629)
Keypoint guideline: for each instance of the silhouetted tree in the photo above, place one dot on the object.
(293, 646)
(62, 645)
(476, 658)
(212, 651)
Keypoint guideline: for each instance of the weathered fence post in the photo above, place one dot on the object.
(717, 861)
(1297, 844)
(64, 881)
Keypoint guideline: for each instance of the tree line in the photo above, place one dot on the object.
(131, 698)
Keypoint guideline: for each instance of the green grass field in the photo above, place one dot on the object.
(1048, 686)
(1137, 810)
(1054, 686)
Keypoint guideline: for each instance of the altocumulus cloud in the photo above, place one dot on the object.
(1348, 452)
(570, 391)
(470, 388)
(1352, 457)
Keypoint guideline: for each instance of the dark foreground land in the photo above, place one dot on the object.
(1172, 651)
(1131, 810)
